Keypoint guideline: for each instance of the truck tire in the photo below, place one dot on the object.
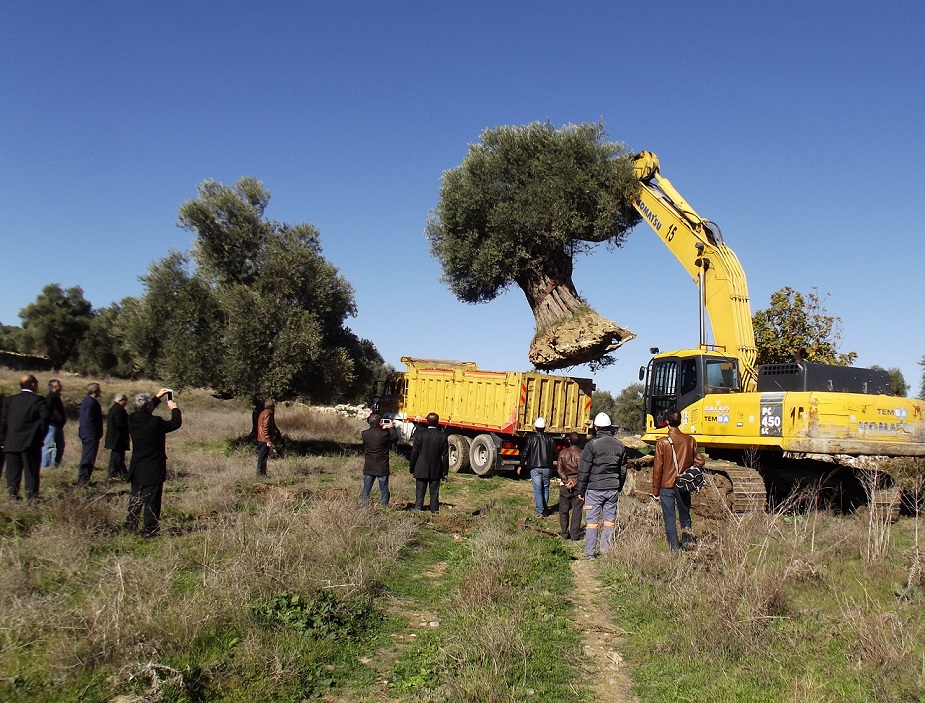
(483, 455)
(459, 452)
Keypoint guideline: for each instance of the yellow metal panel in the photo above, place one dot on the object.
(807, 422)
(499, 401)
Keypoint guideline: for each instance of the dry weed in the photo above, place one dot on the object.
(156, 680)
(879, 640)
(301, 421)
(494, 643)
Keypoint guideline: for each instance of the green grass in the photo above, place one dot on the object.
(770, 608)
(808, 620)
(502, 607)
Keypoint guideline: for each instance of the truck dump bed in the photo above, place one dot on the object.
(505, 402)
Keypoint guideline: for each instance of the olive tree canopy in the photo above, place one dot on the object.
(524, 202)
(254, 310)
(55, 323)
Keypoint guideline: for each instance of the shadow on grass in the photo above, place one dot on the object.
(305, 447)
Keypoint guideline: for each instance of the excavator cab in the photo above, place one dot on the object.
(679, 379)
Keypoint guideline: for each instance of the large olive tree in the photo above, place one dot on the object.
(254, 310)
(525, 201)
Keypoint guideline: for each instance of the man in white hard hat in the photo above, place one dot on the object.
(539, 454)
(601, 475)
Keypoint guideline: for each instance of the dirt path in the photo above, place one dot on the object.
(606, 674)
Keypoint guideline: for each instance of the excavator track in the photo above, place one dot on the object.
(744, 487)
(728, 488)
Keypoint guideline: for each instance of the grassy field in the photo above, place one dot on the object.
(287, 589)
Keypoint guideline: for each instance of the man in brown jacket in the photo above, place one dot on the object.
(266, 429)
(665, 474)
(569, 502)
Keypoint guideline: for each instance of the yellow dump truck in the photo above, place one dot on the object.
(486, 414)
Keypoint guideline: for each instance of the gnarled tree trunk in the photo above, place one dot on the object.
(568, 331)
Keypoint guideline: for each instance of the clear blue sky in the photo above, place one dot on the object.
(796, 126)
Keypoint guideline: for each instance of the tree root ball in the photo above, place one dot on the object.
(577, 340)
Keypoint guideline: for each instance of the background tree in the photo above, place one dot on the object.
(625, 411)
(798, 326)
(898, 385)
(11, 338)
(629, 411)
(253, 311)
(103, 351)
(55, 323)
(603, 402)
(524, 202)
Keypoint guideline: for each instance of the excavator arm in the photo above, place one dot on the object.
(698, 244)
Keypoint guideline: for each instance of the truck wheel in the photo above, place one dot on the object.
(459, 452)
(483, 455)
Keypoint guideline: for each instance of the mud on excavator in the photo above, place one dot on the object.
(770, 429)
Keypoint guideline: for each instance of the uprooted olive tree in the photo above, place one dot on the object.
(525, 201)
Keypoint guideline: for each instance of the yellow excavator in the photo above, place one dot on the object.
(772, 426)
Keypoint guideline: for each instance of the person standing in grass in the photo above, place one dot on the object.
(266, 431)
(90, 432)
(539, 455)
(674, 453)
(23, 424)
(148, 468)
(570, 507)
(430, 461)
(53, 450)
(117, 438)
(601, 474)
(377, 440)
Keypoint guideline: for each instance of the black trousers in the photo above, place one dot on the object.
(420, 488)
(20, 465)
(570, 510)
(148, 499)
(91, 448)
(117, 464)
(263, 452)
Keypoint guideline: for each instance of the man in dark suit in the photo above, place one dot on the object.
(117, 438)
(376, 443)
(23, 425)
(148, 468)
(53, 450)
(430, 461)
(90, 432)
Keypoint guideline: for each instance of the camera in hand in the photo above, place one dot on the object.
(169, 395)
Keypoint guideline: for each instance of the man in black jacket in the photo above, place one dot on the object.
(90, 431)
(601, 474)
(53, 450)
(539, 455)
(148, 467)
(117, 437)
(430, 461)
(377, 441)
(23, 424)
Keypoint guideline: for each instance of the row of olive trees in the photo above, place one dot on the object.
(252, 311)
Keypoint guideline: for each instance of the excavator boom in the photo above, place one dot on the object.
(698, 245)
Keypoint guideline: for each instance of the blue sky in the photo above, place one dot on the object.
(796, 126)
